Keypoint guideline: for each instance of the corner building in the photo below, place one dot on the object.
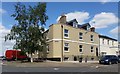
(69, 41)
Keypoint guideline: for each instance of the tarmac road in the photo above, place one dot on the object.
(58, 67)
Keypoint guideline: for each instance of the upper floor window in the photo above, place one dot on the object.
(66, 47)
(66, 33)
(80, 48)
(91, 38)
(92, 49)
(112, 42)
(80, 36)
(108, 42)
(75, 24)
(103, 41)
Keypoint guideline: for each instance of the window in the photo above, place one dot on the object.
(113, 43)
(80, 48)
(92, 49)
(66, 58)
(66, 47)
(103, 41)
(91, 37)
(108, 42)
(48, 48)
(66, 33)
(80, 36)
(75, 24)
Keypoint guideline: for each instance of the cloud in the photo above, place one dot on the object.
(104, 20)
(2, 11)
(5, 45)
(79, 16)
(105, 1)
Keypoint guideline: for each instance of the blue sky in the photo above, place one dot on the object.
(84, 12)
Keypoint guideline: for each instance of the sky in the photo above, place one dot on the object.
(101, 15)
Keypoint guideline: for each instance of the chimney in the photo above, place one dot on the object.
(92, 29)
(62, 19)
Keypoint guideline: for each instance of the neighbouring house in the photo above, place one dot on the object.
(108, 46)
(69, 41)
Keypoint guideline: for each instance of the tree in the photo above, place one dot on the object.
(29, 30)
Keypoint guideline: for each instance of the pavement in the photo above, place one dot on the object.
(49, 64)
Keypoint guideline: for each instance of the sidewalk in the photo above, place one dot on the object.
(74, 61)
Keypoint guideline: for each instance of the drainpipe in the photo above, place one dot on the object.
(99, 46)
(62, 44)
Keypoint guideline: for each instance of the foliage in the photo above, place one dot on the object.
(29, 30)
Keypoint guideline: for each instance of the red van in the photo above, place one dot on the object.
(15, 54)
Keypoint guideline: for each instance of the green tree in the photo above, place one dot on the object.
(29, 30)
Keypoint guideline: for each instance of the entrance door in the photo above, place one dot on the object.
(97, 54)
(75, 58)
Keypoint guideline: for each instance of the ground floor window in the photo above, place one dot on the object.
(66, 58)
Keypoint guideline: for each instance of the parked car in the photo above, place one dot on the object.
(119, 58)
(109, 59)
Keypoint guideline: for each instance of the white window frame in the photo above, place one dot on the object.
(67, 58)
(48, 49)
(66, 47)
(112, 43)
(103, 41)
(80, 35)
(81, 48)
(92, 49)
(66, 33)
(91, 38)
(108, 42)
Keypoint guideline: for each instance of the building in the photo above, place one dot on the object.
(108, 46)
(69, 41)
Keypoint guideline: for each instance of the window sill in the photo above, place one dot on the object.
(81, 52)
(92, 41)
(81, 39)
(66, 51)
(66, 37)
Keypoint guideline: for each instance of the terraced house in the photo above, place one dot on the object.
(69, 41)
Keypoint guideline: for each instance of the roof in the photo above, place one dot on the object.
(74, 20)
(86, 24)
(103, 36)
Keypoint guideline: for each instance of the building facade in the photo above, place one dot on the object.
(108, 46)
(69, 41)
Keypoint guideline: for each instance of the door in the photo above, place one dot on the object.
(97, 54)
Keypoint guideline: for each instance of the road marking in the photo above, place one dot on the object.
(56, 68)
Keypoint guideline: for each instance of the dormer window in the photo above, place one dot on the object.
(75, 24)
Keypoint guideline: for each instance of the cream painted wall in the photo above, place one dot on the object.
(109, 49)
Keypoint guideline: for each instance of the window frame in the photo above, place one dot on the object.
(91, 38)
(92, 49)
(66, 33)
(66, 47)
(67, 58)
(80, 48)
(80, 36)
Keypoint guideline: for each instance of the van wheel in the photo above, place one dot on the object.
(110, 63)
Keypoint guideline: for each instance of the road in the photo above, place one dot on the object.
(58, 67)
